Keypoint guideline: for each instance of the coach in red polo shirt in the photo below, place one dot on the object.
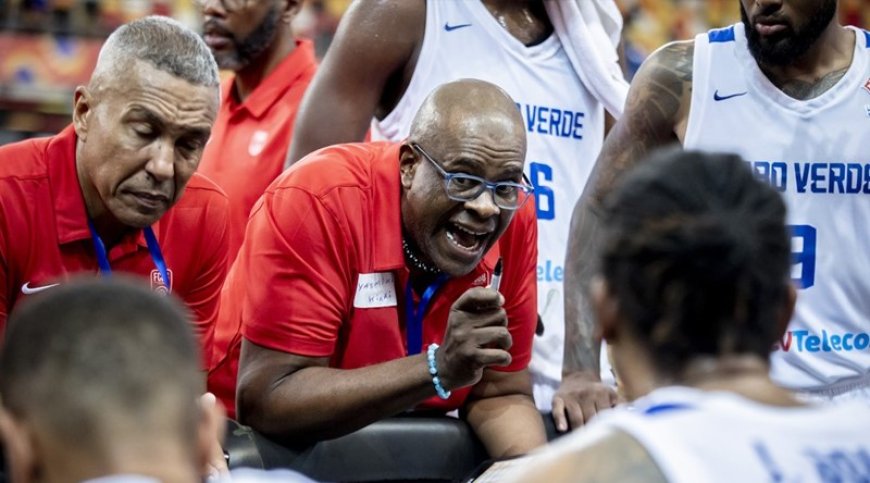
(362, 287)
(105, 195)
(259, 102)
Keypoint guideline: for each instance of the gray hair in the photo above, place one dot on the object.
(164, 43)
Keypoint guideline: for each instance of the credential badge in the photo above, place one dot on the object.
(157, 283)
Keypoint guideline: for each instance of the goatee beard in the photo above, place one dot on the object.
(791, 44)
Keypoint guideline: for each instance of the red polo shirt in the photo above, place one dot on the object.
(249, 140)
(322, 273)
(44, 235)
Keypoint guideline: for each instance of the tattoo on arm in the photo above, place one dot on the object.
(658, 99)
(582, 348)
(658, 95)
(805, 90)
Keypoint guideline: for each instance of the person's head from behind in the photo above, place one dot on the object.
(100, 377)
(462, 174)
(779, 32)
(240, 32)
(694, 269)
(143, 120)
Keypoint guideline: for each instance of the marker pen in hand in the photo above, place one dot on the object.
(496, 276)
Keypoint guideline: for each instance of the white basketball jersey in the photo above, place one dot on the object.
(816, 153)
(698, 436)
(564, 125)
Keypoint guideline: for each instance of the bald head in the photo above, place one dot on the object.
(468, 107)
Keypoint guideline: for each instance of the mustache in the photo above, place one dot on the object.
(147, 184)
(771, 19)
(213, 26)
(769, 15)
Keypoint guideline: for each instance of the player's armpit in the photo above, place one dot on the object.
(373, 46)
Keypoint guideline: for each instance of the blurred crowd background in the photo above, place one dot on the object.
(47, 47)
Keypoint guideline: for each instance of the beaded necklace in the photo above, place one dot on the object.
(416, 262)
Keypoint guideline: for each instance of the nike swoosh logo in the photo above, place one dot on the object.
(451, 28)
(717, 97)
(26, 289)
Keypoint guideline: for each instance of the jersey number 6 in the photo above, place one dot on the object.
(545, 202)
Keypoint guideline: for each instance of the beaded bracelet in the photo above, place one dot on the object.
(433, 371)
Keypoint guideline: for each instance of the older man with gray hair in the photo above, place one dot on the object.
(106, 193)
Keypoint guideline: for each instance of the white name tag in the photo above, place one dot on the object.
(375, 290)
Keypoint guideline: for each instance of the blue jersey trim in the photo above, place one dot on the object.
(721, 35)
(867, 37)
(667, 407)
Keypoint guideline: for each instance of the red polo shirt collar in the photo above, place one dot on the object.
(69, 205)
(271, 89)
(387, 214)
(387, 192)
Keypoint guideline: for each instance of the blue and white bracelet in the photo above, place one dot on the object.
(433, 371)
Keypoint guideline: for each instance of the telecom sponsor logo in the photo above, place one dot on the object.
(549, 271)
(805, 341)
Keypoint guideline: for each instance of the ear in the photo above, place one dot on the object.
(606, 310)
(786, 311)
(408, 162)
(82, 106)
(18, 444)
(291, 10)
(210, 436)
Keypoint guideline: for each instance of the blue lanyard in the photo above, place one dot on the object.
(415, 312)
(153, 248)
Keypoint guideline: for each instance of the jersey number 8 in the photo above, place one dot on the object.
(803, 255)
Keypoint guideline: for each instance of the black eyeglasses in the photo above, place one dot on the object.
(466, 187)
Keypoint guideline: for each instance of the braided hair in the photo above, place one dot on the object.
(697, 255)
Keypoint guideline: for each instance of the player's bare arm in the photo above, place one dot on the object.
(369, 62)
(616, 457)
(656, 115)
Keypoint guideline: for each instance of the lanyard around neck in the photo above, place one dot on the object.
(153, 248)
(414, 313)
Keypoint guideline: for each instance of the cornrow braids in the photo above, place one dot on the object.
(696, 253)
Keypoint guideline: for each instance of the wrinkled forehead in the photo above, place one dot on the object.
(130, 74)
(143, 86)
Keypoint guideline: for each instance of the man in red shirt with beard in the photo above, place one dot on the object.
(259, 103)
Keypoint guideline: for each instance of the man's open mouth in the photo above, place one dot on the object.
(465, 238)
